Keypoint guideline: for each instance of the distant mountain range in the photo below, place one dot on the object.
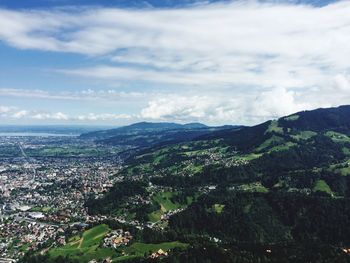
(148, 134)
(141, 127)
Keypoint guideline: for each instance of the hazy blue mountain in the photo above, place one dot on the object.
(141, 127)
(148, 134)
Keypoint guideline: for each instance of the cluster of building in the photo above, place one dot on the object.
(117, 238)
(159, 253)
(19, 235)
(106, 260)
(41, 197)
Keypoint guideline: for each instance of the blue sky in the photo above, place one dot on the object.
(118, 62)
(124, 3)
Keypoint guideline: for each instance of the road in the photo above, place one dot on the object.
(27, 159)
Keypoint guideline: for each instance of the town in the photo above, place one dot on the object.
(45, 183)
(42, 198)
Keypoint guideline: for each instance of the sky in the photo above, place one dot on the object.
(216, 62)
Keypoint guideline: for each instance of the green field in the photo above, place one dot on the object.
(164, 200)
(342, 168)
(249, 157)
(275, 143)
(304, 135)
(292, 117)
(252, 187)
(218, 208)
(346, 151)
(274, 128)
(344, 171)
(283, 147)
(69, 151)
(338, 137)
(322, 186)
(86, 247)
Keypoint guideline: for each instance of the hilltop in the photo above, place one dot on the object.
(141, 127)
(148, 134)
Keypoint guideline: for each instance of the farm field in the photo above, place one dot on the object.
(166, 204)
(86, 247)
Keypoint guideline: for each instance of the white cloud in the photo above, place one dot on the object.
(177, 107)
(20, 114)
(5, 109)
(59, 116)
(103, 117)
(14, 113)
(342, 83)
(10, 112)
(87, 94)
(219, 109)
(275, 103)
(241, 62)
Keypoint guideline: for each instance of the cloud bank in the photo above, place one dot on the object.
(238, 62)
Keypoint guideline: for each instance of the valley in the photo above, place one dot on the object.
(275, 192)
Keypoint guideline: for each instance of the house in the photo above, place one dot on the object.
(159, 253)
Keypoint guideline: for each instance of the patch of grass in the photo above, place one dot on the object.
(193, 169)
(341, 168)
(218, 208)
(85, 248)
(164, 200)
(346, 151)
(292, 117)
(274, 128)
(71, 151)
(24, 248)
(193, 153)
(338, 137)
(94, 235)
(304, 135)
(253, 187)
(282, 147)
(249, 157)
(322, 186)
(275, 143)
(247, 208)
(155, 215)
(159, 158)
(274, 140)
(344, 171)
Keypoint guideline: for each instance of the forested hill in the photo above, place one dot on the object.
(296, 126)
(146, 134)
(141, 127)
(320, 120)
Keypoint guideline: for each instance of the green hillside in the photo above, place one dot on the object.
(275, 192)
